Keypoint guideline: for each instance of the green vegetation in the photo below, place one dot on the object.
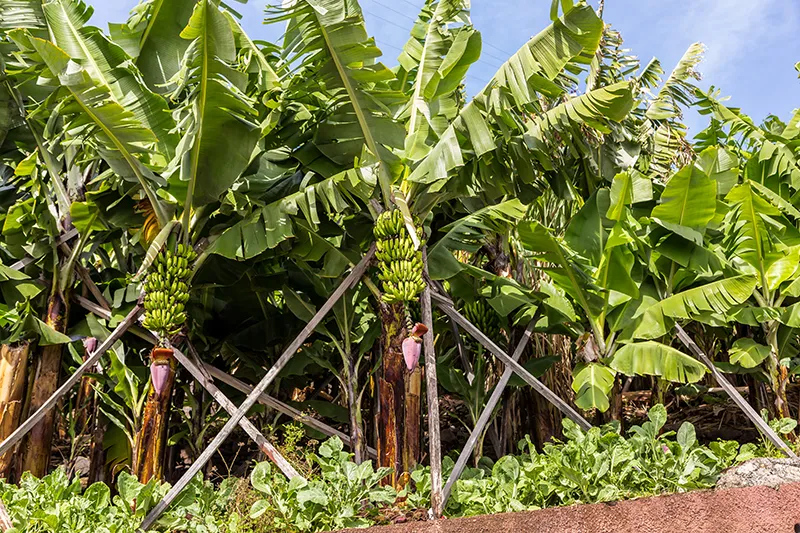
(596, 466)
(223, 187)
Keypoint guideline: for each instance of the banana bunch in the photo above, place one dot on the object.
(399, 262)
(168, 290)
(484, 317)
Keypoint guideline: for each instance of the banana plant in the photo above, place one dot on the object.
(414, 126)
(57, 175)
(128, 136)
(761, 240)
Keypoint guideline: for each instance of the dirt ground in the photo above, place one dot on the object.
(746, 510)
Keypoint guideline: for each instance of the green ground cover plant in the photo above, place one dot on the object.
(586, 467)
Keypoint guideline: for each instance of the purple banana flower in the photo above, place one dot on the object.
(159, 373)
(90, 345)
(412, 346)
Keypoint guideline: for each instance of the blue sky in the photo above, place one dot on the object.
(752, 45)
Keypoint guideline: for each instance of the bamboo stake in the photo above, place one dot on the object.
(231, 381)
(432, 386)
(22, 263)
(262, 385)
(445, 305)
(5, 520)
(486, 415)
(90, 361)
(737, 398)
(286, 409)
(190, 363)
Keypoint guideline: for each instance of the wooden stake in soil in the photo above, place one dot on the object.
(432, 388)
(205, 380)
(486, 415)
(281, 407)
(737, 398)
(48, 405)
(262, 385)
(446, 305)
(5, 520)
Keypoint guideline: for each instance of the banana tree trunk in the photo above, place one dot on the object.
(354, 408)
(36, 447)
(97, 452)
(413, 422)
(90, 419)
(779, 373)
(538, 417)
(394, 449)
(150, 442)
(13, 366)
(615, 411)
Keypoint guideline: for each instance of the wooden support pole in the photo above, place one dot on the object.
(446, 305)
(432, 389)
(262, 385)
(283, 408)
(737, 398)
(22, 263)
(90, 361)
(191, 364)
(237, 384)
(5, 520)
(198, 370)
(486, 415)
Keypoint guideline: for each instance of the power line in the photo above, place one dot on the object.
(498, 49)
(416, 6)
(402, 28)
(484, 52)
(396, 25)
(412, 19)
(469, 75)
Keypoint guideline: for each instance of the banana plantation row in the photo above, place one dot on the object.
(222, 188)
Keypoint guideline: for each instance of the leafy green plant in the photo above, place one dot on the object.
(594, 466)
(339, 498)
(55, 504)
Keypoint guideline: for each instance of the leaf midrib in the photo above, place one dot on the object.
(202, 98)
(384, 177)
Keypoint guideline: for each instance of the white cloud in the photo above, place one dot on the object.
(733, 29)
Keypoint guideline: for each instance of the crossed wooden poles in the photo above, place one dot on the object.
(204, 374)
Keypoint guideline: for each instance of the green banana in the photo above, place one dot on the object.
(399, 261)
(167, 290)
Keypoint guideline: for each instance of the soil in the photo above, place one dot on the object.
(743, 510)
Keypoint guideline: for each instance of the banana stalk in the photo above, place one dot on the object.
(400, 383)
(13, 366)
(148, 453)
(37, 444)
